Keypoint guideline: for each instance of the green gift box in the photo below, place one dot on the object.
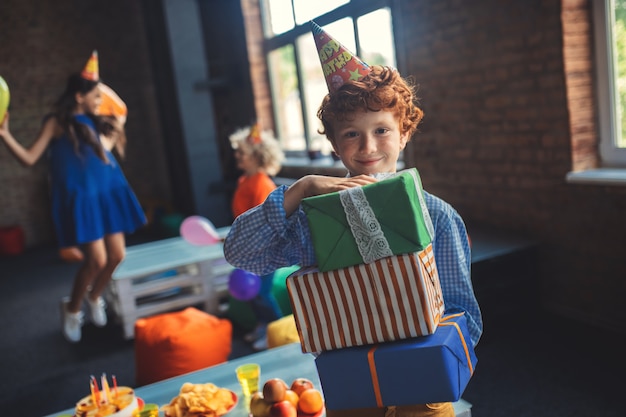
(364, 224)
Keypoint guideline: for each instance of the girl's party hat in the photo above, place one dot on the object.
(254, 138)
(91, 71)
(339, 64)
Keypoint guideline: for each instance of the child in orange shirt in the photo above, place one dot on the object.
(259, 156)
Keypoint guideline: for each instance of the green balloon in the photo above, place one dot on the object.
(5, 98)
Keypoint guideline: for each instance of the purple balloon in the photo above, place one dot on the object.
(243, 285)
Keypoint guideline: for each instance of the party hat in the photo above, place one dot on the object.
(91, 71)
(254, 137)
(339, 65)
(111, 104)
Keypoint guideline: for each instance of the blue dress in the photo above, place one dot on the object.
(90, 198)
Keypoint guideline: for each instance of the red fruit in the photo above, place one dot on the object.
(274, 390)
(300, 384)
(283, 409)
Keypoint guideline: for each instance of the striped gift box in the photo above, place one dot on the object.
(393, 298)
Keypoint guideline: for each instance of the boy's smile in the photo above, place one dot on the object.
(369, 142)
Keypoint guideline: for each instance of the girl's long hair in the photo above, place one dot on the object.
(78, 132)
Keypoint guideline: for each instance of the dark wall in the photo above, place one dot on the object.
(41, 44)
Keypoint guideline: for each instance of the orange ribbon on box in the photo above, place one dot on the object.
(444, 322)
(372, 363)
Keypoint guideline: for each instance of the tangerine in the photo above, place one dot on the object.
(311, 401)
(292, 397)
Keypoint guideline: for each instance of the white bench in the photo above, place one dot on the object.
(167, 275)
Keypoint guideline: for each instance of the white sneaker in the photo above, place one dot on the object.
(72, 322)
(96, 311)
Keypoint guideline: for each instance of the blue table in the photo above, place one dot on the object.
(285, 362)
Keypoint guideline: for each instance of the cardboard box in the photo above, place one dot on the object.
(393, 298)
(428, 369)
(367, 223)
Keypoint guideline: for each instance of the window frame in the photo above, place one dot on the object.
(353, 9)
(607, 97)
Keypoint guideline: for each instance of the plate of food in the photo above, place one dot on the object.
(206, 400)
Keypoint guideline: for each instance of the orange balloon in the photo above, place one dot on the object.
(71, 254)
(112, 104)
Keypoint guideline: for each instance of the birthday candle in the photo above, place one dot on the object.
(115, 386)
(97, 391)
(106, 393)
(93, 393)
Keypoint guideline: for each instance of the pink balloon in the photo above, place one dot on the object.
(198, 230)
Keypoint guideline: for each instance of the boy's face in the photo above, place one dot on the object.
(369, 142)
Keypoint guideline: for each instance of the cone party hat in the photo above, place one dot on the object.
(338, 64)
(254, 137)
(91, 71)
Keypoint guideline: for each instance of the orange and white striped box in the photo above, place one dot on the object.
(393, 298)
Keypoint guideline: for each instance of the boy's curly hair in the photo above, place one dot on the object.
(382, 89)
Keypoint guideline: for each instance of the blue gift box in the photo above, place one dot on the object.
(425, 369)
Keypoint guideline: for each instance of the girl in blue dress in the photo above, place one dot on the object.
(92, 204)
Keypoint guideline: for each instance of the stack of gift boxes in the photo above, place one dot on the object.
(372, 309)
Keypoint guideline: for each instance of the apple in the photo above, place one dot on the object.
(300, 384)
(283, 409)
(274, 390)
(258, 406)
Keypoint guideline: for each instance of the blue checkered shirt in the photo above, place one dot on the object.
(263, 239)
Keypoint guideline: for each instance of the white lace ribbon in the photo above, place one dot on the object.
(364, 225)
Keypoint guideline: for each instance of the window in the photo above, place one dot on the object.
(296, 80)
(610, 38)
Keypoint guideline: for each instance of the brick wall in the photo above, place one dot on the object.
(42, 43)
(258, 66)
(507, 92)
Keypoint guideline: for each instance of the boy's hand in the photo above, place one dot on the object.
(312, 185)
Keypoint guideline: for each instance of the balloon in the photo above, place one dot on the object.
(5, 98)
(243, 285)
(111, 104)
(71, 254)
(198, 230)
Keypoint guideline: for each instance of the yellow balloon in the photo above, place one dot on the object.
(5, 98)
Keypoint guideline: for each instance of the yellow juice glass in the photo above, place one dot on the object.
(248, 376)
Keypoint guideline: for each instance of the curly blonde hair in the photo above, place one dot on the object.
(382, 89)
(267, 152)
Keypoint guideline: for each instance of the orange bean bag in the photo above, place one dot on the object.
(173, 344)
